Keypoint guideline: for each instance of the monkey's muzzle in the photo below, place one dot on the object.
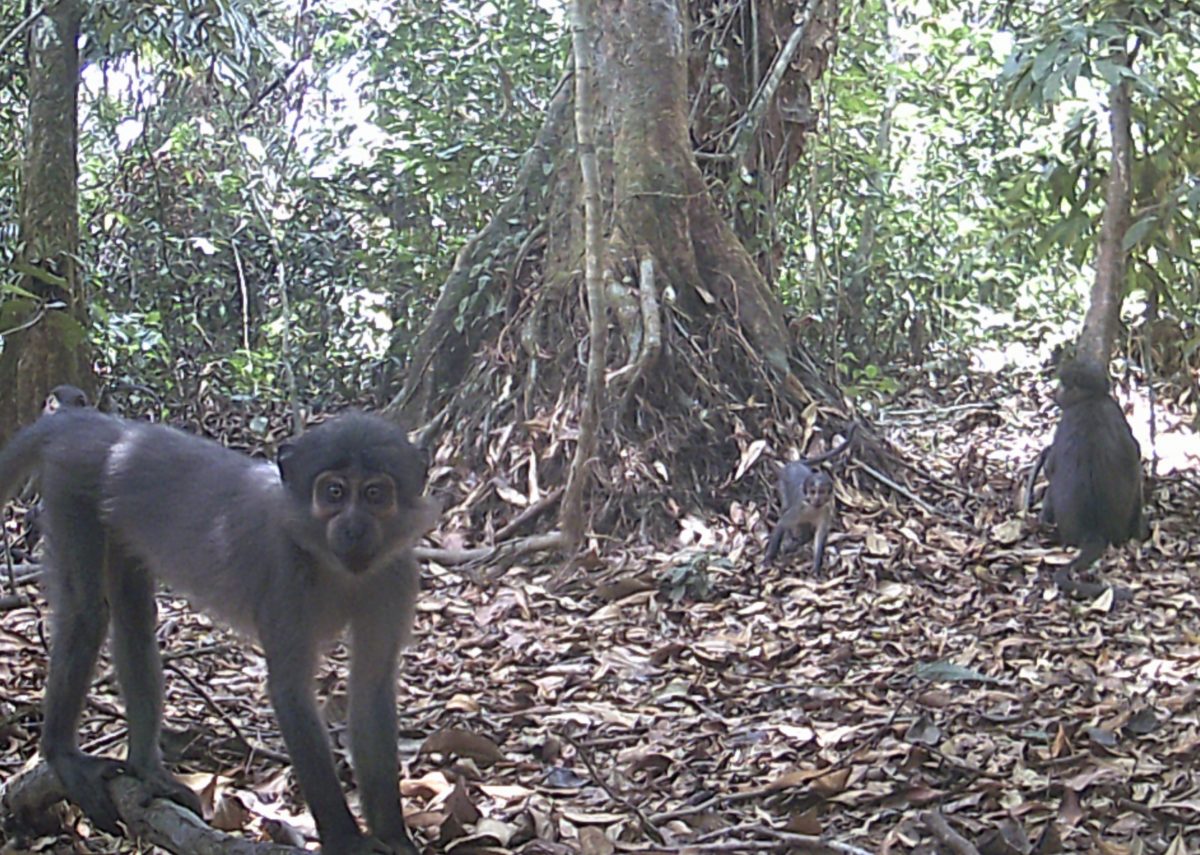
(354, 540)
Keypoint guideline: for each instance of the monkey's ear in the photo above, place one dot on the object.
(425, 455)
(284, 457)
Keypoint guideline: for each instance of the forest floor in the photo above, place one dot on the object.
(931, 693)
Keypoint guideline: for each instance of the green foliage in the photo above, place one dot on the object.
(961, 173)
(231, 150)
(13, 95)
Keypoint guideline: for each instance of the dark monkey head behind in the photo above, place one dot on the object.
(64, 396)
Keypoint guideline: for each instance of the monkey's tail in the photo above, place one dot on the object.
(20, 458)
(1067, 578)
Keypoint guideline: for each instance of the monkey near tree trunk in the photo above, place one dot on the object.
(60, 397)
(1094, 469)
(64, 397)
(292, 554)
(806, 511)
(806, 504)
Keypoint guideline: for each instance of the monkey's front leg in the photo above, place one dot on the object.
(375, 644)
(290, 663)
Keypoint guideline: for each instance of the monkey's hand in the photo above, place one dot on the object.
(370, 846)
(402, 845)
(85, 778)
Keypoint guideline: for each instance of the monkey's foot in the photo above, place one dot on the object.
(162, 784)
(85, 779)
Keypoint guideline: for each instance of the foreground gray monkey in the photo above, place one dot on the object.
(1094, 470)
(292, 554)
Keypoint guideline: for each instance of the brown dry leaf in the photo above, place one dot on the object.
(463, 743)
(593, 842)
(808, 822)
(832, 783)
(1178, 846)
(230, 814)
(749, 457)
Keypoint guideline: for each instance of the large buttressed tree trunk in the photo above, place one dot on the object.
(44, 341)
(700, 361)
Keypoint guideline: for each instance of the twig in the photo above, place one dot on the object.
(904, 491)
(785, 841)
(253, 748)
(14, 601)
(941, 829)
(152, 820)
(502, 553)
(13, 33)
(770, 85)
(644, 821)
(532, 512)
(983, 406)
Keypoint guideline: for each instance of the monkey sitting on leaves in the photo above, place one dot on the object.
(292, 554)
(1094, 470)
(807, 505)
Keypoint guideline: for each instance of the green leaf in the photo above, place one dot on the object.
(1138, 231)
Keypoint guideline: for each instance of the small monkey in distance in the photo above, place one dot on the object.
(807, 506)
(292, 554)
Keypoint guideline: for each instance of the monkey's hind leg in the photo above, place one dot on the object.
(139, 672)
(79, 624)
(774, 543)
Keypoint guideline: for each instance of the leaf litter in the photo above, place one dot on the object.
(932, 693)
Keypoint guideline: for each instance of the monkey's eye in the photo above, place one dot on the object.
(333, 492)
(377, 494)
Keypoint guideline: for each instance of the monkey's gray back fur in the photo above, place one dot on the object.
(1095, 490)
(183, 506)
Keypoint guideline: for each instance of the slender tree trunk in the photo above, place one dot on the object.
(1103, 314)
(593, 397)
(45, 340)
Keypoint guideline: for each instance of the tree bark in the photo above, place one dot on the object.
(1103, 314)
(45, 340)
(698, 357)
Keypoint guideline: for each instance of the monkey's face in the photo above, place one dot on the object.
(358, 480)
(356, 510)
(818, 490)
